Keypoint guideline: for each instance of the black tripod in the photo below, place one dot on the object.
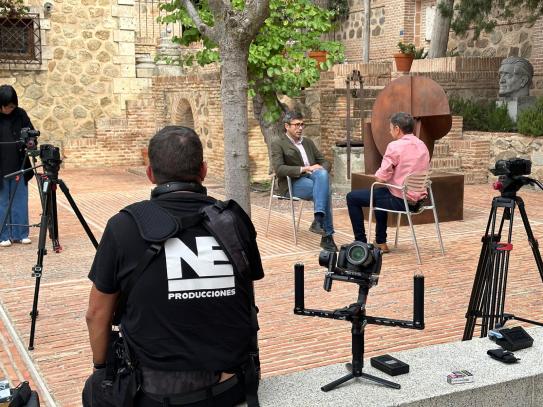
(489, 287)
(356, 313)
(47, 183)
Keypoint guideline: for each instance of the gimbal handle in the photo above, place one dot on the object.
(418, 305)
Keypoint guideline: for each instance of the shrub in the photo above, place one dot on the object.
(530, 121)
(481, 115)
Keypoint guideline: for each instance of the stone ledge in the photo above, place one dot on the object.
(496, 384)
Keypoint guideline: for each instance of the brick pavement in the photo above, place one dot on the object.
(288, 343)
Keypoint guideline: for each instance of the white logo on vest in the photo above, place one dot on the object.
(204, 274)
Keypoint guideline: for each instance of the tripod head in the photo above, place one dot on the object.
(512, 176)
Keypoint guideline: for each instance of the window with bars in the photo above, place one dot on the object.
(20, 39)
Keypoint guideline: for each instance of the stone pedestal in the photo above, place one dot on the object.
(341, 184)
(145, 66)
(517, 105)
(448, 194)
(167, 50)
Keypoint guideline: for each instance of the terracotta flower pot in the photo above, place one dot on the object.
(319, 56)
(403, 62)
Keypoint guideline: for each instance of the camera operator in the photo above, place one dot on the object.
(405, 155)
(187, 332)
(13, 158)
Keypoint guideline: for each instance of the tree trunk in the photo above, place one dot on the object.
(367, 31)
(269, 130)
(440, 31)
(235, 123)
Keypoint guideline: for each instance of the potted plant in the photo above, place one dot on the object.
(408, 52)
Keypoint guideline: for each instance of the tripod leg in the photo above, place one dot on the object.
(37, 270)
(384, 382)
(68, 196)
(53, 219)
(533, 242)
(335, 383)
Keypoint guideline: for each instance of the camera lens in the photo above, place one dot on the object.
(357, 254)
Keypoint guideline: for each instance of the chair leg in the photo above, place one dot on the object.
(438, 231)
(398, 218)
(414, 237)
(299, 214)
(293, 221)
(269, 207)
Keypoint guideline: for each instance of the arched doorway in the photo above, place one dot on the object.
(182, 114)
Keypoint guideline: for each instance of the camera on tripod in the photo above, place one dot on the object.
(357, 262)
(513, 167)
(29, 138)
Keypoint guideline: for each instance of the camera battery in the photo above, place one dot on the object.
(459, 377)
(389, 365)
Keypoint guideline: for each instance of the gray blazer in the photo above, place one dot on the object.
(287, 160)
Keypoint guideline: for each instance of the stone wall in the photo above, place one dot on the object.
(87, 71)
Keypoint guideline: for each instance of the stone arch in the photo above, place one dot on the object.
(182, 113)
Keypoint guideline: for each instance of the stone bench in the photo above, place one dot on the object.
(496, 384)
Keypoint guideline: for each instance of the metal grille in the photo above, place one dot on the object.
(149, 30)
(20, 39)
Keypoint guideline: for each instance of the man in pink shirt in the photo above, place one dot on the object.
(405, 155)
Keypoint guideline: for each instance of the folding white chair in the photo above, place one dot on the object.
(417, 182)
(292, 199)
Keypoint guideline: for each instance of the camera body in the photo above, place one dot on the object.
(512, 167)
(356, 262)
(50, 157)
(29, 138)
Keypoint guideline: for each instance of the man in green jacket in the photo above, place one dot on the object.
(298, 158)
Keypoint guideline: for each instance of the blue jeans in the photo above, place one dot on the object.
(382, 198)
(316, 187)
(19, 209)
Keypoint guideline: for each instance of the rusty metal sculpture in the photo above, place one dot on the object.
(427, 102)
(419, 96)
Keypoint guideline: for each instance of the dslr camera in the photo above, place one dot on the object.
(512, 167)
(356, 262)
(29, 138)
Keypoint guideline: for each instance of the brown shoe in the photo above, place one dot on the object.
(383, 246)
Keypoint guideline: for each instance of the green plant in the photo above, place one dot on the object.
(482, 115)
(13, 8)
(530, 121)
(410, 49)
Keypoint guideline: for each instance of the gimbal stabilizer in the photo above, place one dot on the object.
(356, 314)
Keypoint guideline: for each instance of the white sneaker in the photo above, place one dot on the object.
(5, 243)
(26, 240)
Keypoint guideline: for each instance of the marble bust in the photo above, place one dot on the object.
(515, 77)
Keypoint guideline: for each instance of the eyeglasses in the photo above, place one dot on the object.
(298, 125)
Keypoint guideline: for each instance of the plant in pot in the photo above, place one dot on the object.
(408, 52)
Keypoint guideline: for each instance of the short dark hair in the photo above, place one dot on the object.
(8, 96)
(176, 154)
(292, 115)
(404, 121)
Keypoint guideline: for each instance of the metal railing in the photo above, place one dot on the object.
(149, 30)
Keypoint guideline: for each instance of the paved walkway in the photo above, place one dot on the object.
(288, 343)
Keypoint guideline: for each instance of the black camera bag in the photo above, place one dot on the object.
(23, 396)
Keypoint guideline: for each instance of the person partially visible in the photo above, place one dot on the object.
(187, 320)
(13, 158)
(297, 157)
(405, 155)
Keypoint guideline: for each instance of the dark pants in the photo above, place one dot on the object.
(382, 198)
(95, 396)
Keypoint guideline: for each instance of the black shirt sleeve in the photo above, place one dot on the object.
(103, 272)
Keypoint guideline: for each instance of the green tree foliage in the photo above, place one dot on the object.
(530, 121)
(278, 61)
(482, 15)
(13, 8)
(482, 115)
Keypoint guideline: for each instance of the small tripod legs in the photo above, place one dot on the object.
(358, 322)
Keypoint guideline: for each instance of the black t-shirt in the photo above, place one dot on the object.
(188, 310)
(12, 155)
